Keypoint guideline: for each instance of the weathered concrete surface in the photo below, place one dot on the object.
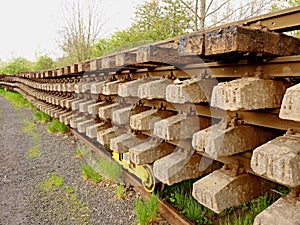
(75, 120)
(121, 116)
(144, 121)
(104, 136)
(284, 211)
(67, 120)
(290, 107)
(218, 140)
(182, 165)
(194, 90)
(96, 88)
(93, 109)
(179, 127)
(86, 87)
(106, 111)
(83, 107)
(81, 126)
(75, 104)
(221, 190)
(91, 131)
(111, 87)
(68, 103)
(150, 151)
(62, 117)
(248, 94)
(124, 142)
(279, 160)
(154, 89)
(130, 89)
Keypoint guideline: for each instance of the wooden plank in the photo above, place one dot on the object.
(108, 62)
(96, 64)
(191, 45)
(67, 70)
(60, 71)
(125, 58)
(84, 66)
(74, 68)
(237, 41)
(154, 54)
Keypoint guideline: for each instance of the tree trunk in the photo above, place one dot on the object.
(202, 14)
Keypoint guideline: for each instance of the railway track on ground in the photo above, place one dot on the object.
(221, 106)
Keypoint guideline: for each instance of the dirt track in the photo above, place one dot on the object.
(29, 156)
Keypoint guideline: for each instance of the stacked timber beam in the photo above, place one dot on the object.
(222, 106)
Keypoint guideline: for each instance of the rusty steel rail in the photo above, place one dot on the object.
(166, 210)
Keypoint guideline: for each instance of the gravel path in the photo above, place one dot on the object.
(29, 157)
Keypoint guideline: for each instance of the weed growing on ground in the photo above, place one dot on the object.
(146, 212)
(57, 126)
(65, 203)
(29, 129)
(89, 173)
(41, 116)
(52, 182)
(83, 151)
(16, 99)
(180, 195)
(34, 152)
(110, 169)
(120, 192)
(69, 189)
(252, 209)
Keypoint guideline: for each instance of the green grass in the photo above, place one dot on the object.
(246, 212)
(52, 182)
(110, 169)
(29, 129)
(180, 195)
(66, 205)
(57, 126)
(34, 152)
(83, 151)
(41, 116)
(120, 192)
(89, 173)
(16, 99)
(146, 212)
(69, 189)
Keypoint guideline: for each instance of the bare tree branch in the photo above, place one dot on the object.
(81, 29)
(208, 7)
(217, 9)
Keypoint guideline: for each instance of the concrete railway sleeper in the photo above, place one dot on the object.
(222, 106)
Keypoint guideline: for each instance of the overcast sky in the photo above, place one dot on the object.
(30, 26)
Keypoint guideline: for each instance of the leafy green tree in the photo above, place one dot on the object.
(44, 63)
(154, 20)
(16, 65)
(162, 19)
